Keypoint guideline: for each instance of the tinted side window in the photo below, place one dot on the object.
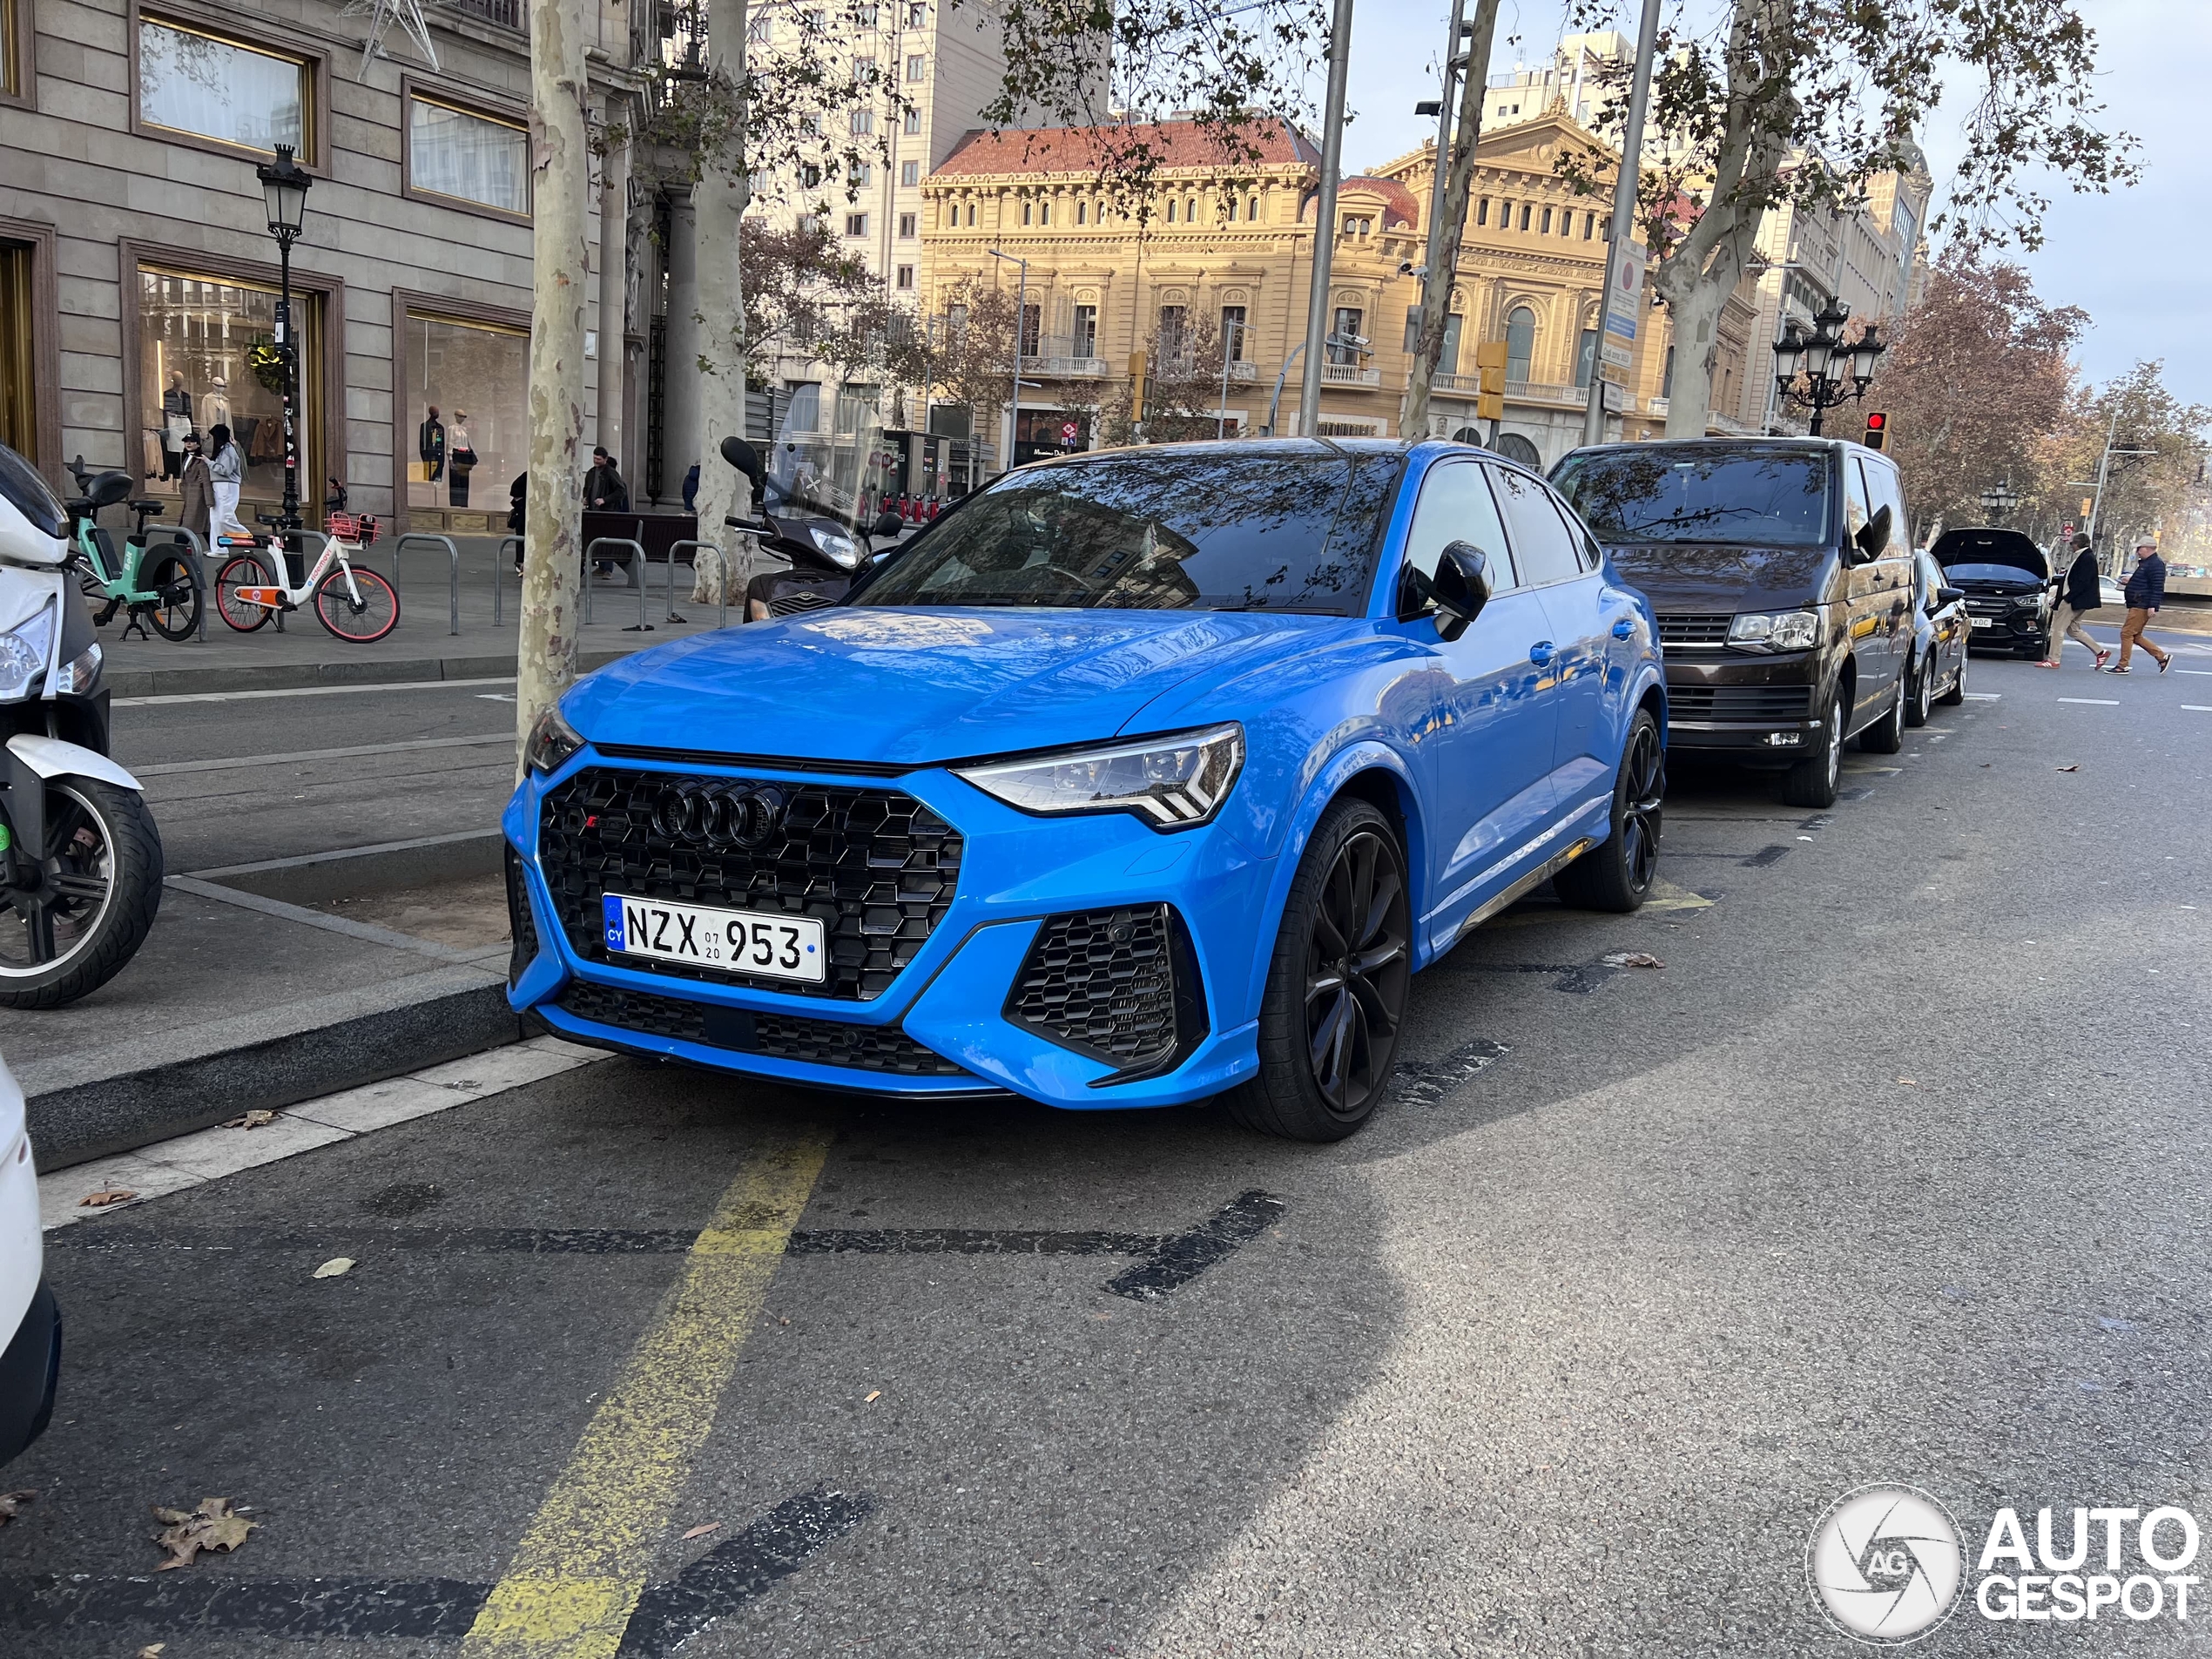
(1586, 551)
(1856, 510)
(1455, 506)
(1882, 491)
(1540, 548)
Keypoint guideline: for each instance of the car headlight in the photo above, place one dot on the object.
(552, 741)
(1172, 783)
(79, 672)
(1776, 631)
(843, 551)
(22, 654)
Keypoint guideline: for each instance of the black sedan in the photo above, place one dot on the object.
(2007, 582)
(1941, 630)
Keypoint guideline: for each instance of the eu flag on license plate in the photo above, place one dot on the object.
(610, 911)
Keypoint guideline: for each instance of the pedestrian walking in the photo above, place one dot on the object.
(691, 488)
(2078, 596)
(196, 485)
(226, 466)
(518, 495)
(2146, 593)
(604, 490)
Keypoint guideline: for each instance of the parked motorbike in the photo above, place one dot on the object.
(80, 858)
(801, 523)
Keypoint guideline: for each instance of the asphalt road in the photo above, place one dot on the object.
(1894, 1171)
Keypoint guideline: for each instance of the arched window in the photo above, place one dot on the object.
(1045, 211)
(1251, 210)
(1171, 209)
(1027, 209)
(1520, 342)
(1229, 202)
(1083, 209)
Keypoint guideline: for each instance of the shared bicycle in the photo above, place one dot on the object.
(158, 583)
(354, 604)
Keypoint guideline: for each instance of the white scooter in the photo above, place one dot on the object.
(80, 858)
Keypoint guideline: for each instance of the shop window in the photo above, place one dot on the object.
(471, 157)
(211, 87)
(18, 392)
(465, 408)
(207, 358)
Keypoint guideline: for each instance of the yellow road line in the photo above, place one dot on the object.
(576, 1576)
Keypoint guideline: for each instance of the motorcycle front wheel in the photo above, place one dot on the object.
(69, 922)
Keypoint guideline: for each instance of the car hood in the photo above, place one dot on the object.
(1712, 579)
(918, 686)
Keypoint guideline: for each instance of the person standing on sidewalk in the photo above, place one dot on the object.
(226, 466)
(2078, 596)
(2146, 593)
(196, 485)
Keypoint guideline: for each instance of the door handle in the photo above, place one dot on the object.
(1623, 627)
(1541, 653)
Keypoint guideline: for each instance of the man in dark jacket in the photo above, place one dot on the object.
(2078, 596)
(604, 490)
(2146, 593)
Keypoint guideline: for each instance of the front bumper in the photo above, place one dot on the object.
(981, 1003)
(1744, 707)
(1991, 628)
(30, 1371)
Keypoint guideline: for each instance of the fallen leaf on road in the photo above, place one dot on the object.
(101, 1200)
(212, 1526)
(251, 1120)
(1631, 958)
(11, 1504)
(1909, 1082)
(334, 1266)
(701, 1532)
(152, 1650)
(874, 1394)
(2076, 766)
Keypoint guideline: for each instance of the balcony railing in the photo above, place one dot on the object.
(1655, 405)
(1470, 384)
(1546, 392)
(1065, 369)
(507, 14)
(1348, 375)
(1243, 371)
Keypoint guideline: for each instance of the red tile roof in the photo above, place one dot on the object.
(1402, 209)
(1077, 149)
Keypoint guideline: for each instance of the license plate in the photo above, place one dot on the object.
(1985, 622)
(769, 945)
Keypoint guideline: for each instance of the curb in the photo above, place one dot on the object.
(290, 677)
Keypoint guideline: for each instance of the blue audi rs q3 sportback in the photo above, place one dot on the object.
(1138, 778)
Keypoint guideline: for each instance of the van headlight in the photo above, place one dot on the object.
(1776, 631)
(1171, 783)
(22, 654)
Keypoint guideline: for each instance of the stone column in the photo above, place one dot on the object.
(680, 435)
(614, 296)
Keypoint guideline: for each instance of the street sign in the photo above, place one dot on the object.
(1624, 304)
(1069, 432)
(1615, 356)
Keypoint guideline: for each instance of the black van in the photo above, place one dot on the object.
(1781, 570)
(2007, 582)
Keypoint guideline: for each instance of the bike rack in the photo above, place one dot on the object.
(638, 571)
(453, 554)
(720, 558)
(510, 548)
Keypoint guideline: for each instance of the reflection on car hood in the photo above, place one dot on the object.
(1715, 579)
(916, 686)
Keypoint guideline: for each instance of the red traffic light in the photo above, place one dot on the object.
(1878, 429)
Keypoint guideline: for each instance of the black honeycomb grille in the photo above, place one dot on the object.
(875, 867)
(522, 926)
(781, 1036)
(1103, 982)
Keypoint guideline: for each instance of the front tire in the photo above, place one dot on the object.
(1923, 694)
(362, 624)
(1616, 874)
(106, 879)
(175, 615)
(1956, 694)
(1335, 1002)
(1886, 735)
(1814, 780)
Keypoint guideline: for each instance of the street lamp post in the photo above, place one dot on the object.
(1998, 500)
(1836, 372)
(1020, 323)
(284, 187)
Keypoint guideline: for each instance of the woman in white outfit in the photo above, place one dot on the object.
(228, 464)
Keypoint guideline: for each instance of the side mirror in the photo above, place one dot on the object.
(887, 523)
(1874, 536)
(1949, 596)
(1461, 588)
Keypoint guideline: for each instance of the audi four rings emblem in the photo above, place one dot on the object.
(744, 815)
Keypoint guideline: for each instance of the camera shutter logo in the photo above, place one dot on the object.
(1886, 1564)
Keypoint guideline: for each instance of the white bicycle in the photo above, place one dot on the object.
(358, 606)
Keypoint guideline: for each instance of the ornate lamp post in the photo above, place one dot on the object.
(1835, 373)
(1998, 500)
(285, 184)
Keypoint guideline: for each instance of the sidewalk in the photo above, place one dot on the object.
(423, 646)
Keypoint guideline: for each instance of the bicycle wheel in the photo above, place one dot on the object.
(246, 570)
(361, 622)
(175, 613)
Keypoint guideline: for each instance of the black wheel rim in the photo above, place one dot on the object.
(1358, 967)
(47, 918)
(1643, 786)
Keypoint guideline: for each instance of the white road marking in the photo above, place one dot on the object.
(169, 766)
(304, 690)
(2198, 708)
(192, 1160)
(1985, 697)
(2101, 702)
(2207, 672)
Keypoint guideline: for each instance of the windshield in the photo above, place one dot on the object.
(1653, 494)
(1165, 529)
(1956, 573)
(2006, 555)
(831, 455)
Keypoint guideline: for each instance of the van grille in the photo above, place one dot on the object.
(1682, 629)
(1739, 702)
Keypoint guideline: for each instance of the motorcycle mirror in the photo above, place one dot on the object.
(747, 459)
(888, 522)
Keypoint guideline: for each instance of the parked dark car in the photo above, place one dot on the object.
(2007, 582)
(1782, 581)
(1940, 640)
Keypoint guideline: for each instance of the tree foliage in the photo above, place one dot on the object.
(2157, 494)
(1182, 391)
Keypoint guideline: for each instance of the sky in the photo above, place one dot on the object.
(2134, 261)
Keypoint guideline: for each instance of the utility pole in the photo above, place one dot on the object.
(1020, 323)
(1624, 209)
(1325, 219)
(1447, 223)
(1452, 53)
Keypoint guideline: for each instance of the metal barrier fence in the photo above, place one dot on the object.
(499, 575)
(721, 559)
(637, 572)
(453, 554)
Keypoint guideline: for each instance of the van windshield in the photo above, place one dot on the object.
(1735, 498)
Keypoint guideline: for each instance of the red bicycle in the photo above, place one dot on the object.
(358, 606)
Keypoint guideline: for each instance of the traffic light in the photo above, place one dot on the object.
(1878, 430)
(1490, 381)
(1136, 386)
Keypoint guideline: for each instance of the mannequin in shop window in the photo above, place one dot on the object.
(215, 409)
(461, 459)
(430, 444)
(175, 424)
